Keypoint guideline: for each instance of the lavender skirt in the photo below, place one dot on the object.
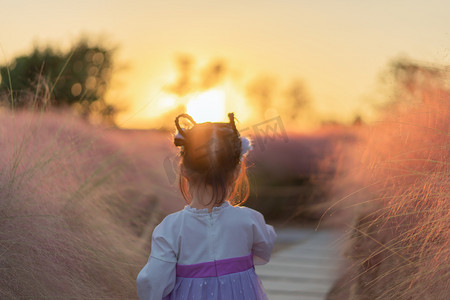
(227, 279)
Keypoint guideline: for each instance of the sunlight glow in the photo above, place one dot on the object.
(208, 106)
(166, 102)
(156, 104)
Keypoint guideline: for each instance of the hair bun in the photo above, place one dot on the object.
(232, 123)
(177, 123)
(180, 137)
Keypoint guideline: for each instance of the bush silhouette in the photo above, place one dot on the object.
(79, 76)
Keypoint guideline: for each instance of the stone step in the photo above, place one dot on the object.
(282, 296)
(304, 270)
(306, 259)
(304, 274)
(298, 265)
(296, 288)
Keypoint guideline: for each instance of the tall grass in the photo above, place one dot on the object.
(74, 210)
(397, 182)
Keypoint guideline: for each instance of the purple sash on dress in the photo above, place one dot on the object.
(216, 268)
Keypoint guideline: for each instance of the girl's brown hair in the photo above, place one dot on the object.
(211, 156)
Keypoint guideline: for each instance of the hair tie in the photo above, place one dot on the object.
(178, 139)
(245, 147)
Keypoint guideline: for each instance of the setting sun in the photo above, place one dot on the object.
(208, 106)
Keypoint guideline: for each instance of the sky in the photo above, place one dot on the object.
(337, 48)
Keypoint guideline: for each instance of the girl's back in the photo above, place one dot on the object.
(196, 235)
(211, 253)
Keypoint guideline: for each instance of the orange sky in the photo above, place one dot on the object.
(337, 47)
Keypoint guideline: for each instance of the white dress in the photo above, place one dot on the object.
(198, 254)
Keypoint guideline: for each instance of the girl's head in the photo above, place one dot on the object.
(212, 158)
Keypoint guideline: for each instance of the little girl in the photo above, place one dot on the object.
(208, 250)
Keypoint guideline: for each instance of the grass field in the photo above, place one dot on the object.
(394, 184)
(78, 202)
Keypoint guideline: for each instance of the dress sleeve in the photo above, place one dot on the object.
(157, 278)
(263, 239)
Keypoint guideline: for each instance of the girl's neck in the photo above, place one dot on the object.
(201, 200)
(196, 203)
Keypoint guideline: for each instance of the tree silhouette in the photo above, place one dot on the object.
(190, 80)
(212, 74)
(297, 100)
(260, 92)
(78, 77)
(184, 83)
(414, 81)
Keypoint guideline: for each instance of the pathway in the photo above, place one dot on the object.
(304, 267)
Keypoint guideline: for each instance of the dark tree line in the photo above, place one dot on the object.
(76, 78)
